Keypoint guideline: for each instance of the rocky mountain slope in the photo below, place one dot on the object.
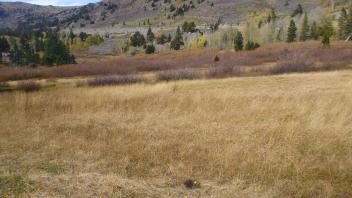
(14, 13)
(111, 12)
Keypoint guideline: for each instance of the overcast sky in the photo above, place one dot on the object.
(55, 2)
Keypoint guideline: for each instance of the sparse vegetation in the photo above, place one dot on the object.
(181, 74)
(115, 80)
(28, 86)
(15, 186)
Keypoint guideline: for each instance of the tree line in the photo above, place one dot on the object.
(36, 48)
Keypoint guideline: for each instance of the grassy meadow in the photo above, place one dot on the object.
(271, 136)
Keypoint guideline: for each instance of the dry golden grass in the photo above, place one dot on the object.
(273, 136)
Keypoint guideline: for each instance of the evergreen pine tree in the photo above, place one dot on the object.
(55, 51)
(291, 33)
(298, 10)
(4, 45)
(16, 54)
(238, 41)
(137, 39)
(305, 29)
(314, 31)
(149, 49)
(177, 41)
(29, 56)
(326, 40)
(150, 35)
(71, 36)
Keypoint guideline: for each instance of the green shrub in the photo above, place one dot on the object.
(251, 45)
(137, 39)
(149, 49)
(189, 27)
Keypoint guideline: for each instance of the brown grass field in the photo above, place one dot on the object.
(271, 136)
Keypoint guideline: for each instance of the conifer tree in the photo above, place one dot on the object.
(291, 32)
(55, 51)
(305, 29)
(238, 41)
(4, 47)
(150, 35)
(71, 36)
(137, 39)
(326, 40)
(298, 10)
(314, 31)
(16, 54)
(177, 41)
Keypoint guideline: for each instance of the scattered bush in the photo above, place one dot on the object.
(251, 45)
(137, 39)
(216, 58)
(149, 49)
(87, 42)
(161, 39)
(200, 42)
(220, 72)
(115, 80)
(28, 86)
(189, 27)
(181, 74)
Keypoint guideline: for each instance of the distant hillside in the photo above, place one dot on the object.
(154, 12)
(12, 14)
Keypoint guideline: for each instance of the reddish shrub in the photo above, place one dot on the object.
(181, 74)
